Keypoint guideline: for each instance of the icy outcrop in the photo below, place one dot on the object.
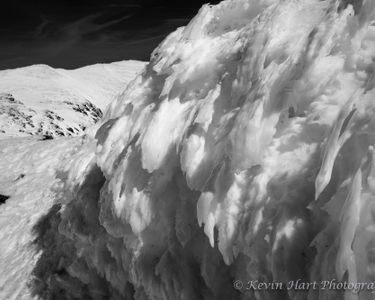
(255, 122)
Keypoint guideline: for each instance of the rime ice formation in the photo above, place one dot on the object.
(244, 151)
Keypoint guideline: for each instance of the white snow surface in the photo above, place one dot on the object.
(42, 100)
(28, 174)
(244, 151)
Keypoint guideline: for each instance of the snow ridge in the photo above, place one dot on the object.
(40, 100)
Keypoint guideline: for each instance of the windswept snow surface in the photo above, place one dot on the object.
(29, 177)
(41, 100)
(244, 151)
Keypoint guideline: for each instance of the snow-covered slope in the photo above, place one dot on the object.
(243, 154)
(29, 178)
(56, 102)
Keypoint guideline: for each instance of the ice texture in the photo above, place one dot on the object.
(244, 151)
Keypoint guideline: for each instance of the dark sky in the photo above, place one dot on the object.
(70, 34)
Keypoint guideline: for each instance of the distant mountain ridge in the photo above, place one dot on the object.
(41, 100)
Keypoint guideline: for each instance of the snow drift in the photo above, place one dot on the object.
(244, 151)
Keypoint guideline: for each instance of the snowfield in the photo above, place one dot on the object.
(28, 175)
(41, 100)
(243, 152)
